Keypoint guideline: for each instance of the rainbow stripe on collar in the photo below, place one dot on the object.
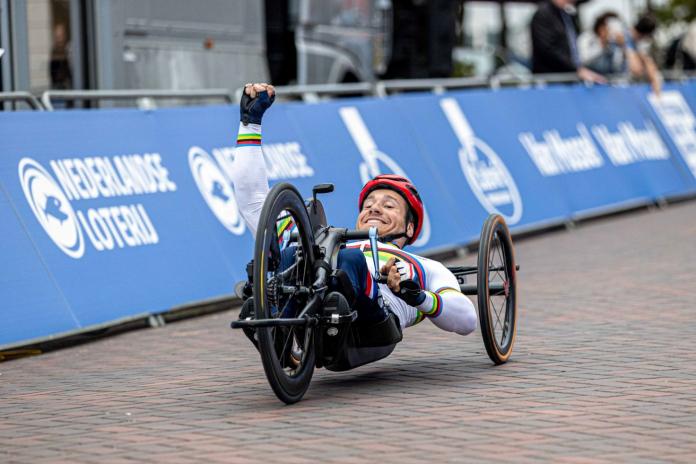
(249, 140)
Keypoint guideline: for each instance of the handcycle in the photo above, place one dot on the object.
(297, 328)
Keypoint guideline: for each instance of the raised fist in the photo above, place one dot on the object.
(256, 99)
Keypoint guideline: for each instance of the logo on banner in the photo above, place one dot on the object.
(487, 175)
(54, 199)
(679, 120)
(51, 207)
(375, 162)
(553, 154)
(215, 187)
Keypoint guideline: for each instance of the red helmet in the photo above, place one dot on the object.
(403, 187)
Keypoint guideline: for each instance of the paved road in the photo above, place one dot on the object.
(603, 371)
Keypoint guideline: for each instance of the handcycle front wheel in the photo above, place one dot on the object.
(283, 271)
(497, 289)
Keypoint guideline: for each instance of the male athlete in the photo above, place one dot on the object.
(416, 288)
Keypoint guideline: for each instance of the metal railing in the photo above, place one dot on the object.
(678, 75)
(145, 98)
(312, 93)
(25, 97)
(384, 88)
(315, 92)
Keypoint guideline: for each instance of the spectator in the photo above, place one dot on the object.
(60, 69)
(554, 41)
(681, 53)
(602, 50)
(638, 43)
(615, 49)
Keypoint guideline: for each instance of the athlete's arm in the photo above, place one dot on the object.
(445, 305)
(442, 302)
(249, 171)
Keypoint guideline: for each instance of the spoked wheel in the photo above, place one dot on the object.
(283, 273)
(497, 289)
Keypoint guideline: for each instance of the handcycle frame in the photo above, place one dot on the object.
(320, 244)
(335, 237)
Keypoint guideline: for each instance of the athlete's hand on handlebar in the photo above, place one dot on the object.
(393, 277)
(402, 280)
(256, 99)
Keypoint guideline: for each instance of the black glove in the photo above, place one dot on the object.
(411, 293)
(409, 288)
(251, 109)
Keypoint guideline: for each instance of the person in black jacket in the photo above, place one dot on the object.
(554, 41)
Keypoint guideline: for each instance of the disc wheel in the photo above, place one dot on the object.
(283, 272)
(497, 289)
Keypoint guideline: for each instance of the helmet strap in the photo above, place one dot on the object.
(393, 237)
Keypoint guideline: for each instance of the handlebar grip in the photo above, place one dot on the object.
(357, 235)
(409, 284)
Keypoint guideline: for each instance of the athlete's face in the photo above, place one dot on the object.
(386, 210)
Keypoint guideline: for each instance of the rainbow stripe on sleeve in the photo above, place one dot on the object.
(285, 224)
(447, 289)
(249, 140)
(436, 308)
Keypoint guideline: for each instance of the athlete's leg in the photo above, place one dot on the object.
(287, 259)
(352, 262)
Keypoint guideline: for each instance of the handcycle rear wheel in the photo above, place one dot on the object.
(283, 271)
(497, 289)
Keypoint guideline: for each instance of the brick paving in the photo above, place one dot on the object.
(602, 372)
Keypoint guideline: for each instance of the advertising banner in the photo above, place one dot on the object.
(674, 111)
(112, 207)
(113, 214)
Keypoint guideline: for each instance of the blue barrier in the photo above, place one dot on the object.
(675, 112)
(112, 214)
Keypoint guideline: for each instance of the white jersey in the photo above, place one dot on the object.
(433, 276)
(444, 305)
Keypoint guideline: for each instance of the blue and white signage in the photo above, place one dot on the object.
(111, 214)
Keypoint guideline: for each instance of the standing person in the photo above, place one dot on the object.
(554, 41)
(681, 53)
(617, 49)
(60, 67)
(602, 50)
(638, 43)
